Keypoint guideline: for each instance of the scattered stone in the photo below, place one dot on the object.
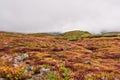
(61, 56)
(20, 59)
(89, 75)
(68, 43)
(87, 62)
(19, 53)
(43, 75)
(37, 77)
(29, 68)
(97, 67)
(3, 79)
(116, 79)
(104, 78)
(15, 65)
(7, 58)
(24, 56)
(44, 71)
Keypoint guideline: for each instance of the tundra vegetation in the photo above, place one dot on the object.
(74, 55)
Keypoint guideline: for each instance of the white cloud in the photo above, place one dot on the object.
(59, 15)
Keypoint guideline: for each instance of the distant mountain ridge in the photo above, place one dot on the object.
(68, 33)
(111, 33)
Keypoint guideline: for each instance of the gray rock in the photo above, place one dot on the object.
(43, 75)
(37, 77)
(87, 62)
(24, 56)
(15, 65)
(44, 71)
(29, 68)
(19, 59)
(61, 55)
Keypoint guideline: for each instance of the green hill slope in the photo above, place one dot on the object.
(75, 35)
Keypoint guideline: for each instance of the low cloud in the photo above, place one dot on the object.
(59, 15)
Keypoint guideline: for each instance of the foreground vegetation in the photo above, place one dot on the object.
(74, 55)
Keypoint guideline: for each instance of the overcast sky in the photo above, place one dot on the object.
(59, 15)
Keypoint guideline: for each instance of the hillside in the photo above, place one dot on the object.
(73, 55)
(75, 35)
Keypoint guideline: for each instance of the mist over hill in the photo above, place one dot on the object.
(28, 16)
